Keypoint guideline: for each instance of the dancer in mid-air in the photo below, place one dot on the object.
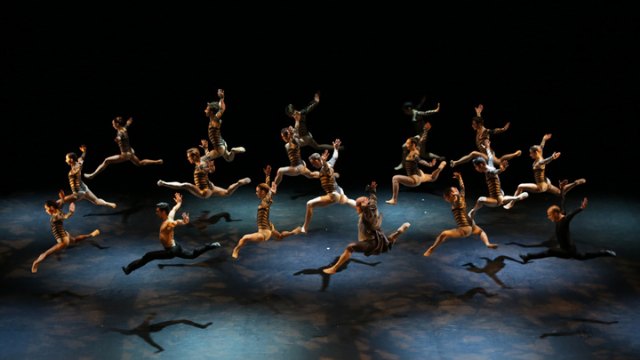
(418, 118)
(296, 166)
(483, 135)
(414, 176)
(63, 238)
(171, 248)
(496, 196)
(466, 226)
(566, 247)
(80, 191)
(126, 151)
(300, 118)
(214, 111)
(202, 187)
(333, 192)
(542, 183)
(371, 238)
(265, 227)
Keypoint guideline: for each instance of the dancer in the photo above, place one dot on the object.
(296, 166)
(126, 151)
(214, 111)
(418, 118)
(482, 142)
(566, 247)
(414, 176)
(371, 238)
(543, 184)
(334, 193)
(171, 248)
(466, 226)
(63, 238)
(300, 118)
(422, 140)
(265, 226)
(496, 195)
(202, 187)
(80, 191)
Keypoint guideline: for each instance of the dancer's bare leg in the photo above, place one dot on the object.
(434, 175)
(483, 236)
(230, 155)
(408, 181)
(506, 157)
(55, 248)
(279, 235)
(451, 233)
(346, 255)
(78, 238)
(115, 159)
(175, 185)
(59, 246)
(254, 237)
(526, 187)
(94, 199)
(137, 162)
(218, 191)
(465, 159)
(321, 201)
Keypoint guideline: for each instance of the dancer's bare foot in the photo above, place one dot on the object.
(329, 271)
(95, 233)
(509, 205)
(392, 202)
(34, 267)
(428, 252)
(492, 246)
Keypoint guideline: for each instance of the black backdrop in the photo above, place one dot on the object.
(547, 70)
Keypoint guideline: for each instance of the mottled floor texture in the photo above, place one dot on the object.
(464, 302)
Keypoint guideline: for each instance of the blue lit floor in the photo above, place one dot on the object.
(272, 303)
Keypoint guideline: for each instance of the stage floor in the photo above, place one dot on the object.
(464, 302)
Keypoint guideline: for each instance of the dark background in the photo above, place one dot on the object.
(570, 72)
